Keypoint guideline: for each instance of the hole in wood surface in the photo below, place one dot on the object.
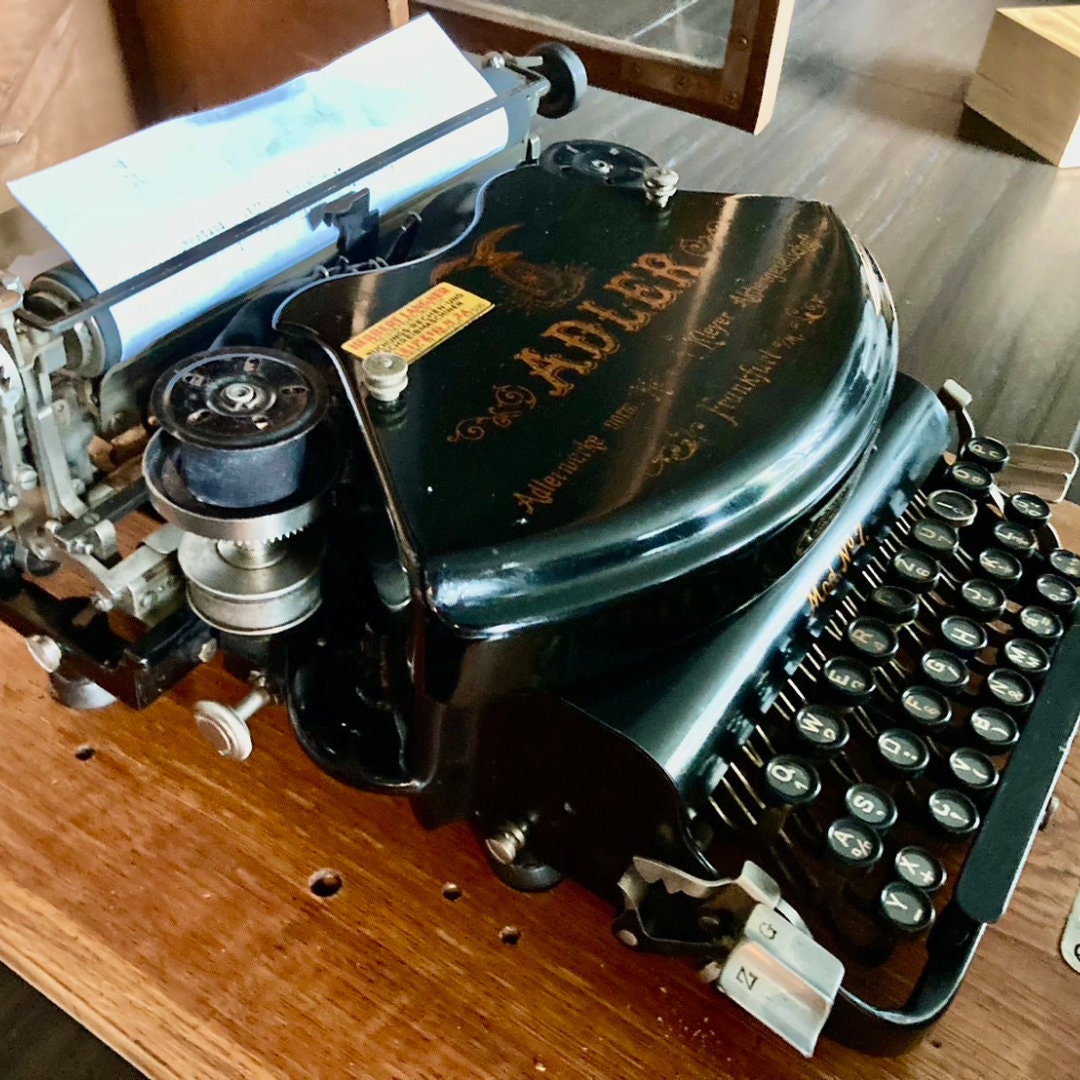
(325, 883)
(85, 753)
(451, 891)
(509, 935)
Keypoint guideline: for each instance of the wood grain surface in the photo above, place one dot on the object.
(161, 896)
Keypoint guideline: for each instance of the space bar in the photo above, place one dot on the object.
(998, 854)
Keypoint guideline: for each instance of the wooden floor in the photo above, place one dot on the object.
(979, 241)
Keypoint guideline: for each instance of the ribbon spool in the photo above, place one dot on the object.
(241, 418)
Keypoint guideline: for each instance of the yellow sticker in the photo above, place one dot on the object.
(421, 324)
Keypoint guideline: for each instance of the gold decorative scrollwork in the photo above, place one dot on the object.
(683, 446)
(511, 402)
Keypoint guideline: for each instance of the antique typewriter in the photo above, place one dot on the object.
(594, 511)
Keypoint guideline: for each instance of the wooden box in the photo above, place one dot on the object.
(1028, 79)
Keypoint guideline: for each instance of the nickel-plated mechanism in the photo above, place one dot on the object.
(237, 466)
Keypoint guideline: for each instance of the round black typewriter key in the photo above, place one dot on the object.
(1008, 689)
(1057, 593)
(918, 867)
(894, 604)
(791, 782)
(983, 599)
(903, 752)
(1065, 563)
(1014, 538)
(848, 682)
(973, 770)
(991, 454)
(905, 908)
(871, 806)
(820, 730)
(937, 537)
(915, 570)
(853, 844)
(927, 709)
(993, 728)
(1027, 656)
(952, 506)
(1041, 624)
(944, 670)
(1000, 566)
(953, 813)
(972, 479)
(1027, 509)
(964, 636)
(872, 640)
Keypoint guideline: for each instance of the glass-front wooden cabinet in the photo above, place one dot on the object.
(718, 58)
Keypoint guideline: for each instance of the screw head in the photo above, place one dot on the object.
(385, 376)
(45, 651)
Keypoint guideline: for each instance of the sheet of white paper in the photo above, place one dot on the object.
(130, 205)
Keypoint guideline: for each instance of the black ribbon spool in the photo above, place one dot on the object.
(242, 417)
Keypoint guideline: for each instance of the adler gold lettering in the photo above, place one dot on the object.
(551, 367)
(665, 268)
(636, 321)
(588, 337)
(652, 296)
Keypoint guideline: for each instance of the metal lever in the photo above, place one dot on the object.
(756, 948)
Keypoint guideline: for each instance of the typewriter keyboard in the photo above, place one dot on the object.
(866, 785)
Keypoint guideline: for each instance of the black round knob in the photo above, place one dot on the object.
(894, 604)
(903, 753)
(820, 730)
(1057, 593)
(1017, 539)
(851, 843)
(914, 570)
(1027, 656)
(847, 682)
(963, 635)
(1027, 509)
(871, 640)
(1065, 563)
(972, 770)
(982, 599)
(994, 729)
(925, 708)
(991, 454)
(1041, 624)
(944, 670)
(952, 506)
(1000, 566)
(953, 813)
(904, 908)
(871, 806)
(1008, 689)
(918, 867)
(937, 537)
(975, 481)
(791, 782)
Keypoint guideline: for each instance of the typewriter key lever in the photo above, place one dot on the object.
(755, 947)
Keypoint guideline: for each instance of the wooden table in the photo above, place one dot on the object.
(162, 897)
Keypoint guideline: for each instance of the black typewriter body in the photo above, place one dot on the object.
(658, 572)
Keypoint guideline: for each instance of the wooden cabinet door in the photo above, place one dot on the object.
(718, 58)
